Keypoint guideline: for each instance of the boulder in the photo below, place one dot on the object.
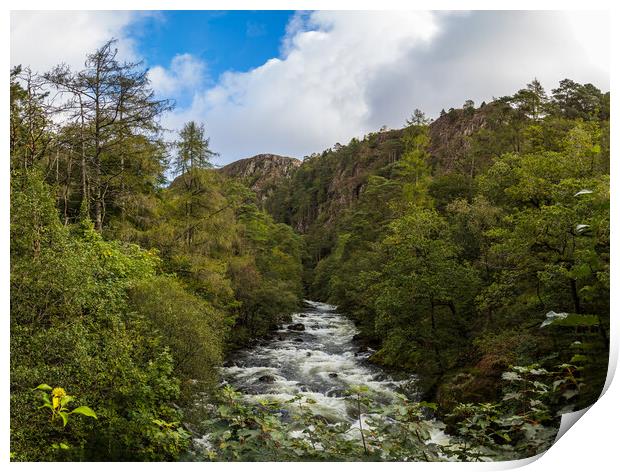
(297, 327)
(267, 379)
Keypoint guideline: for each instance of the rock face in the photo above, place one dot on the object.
(262, 173)
(449, 135)
(328, 183)
(312, 195)
(297, 327)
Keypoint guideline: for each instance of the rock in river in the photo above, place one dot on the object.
(297, 327)
(267, 379)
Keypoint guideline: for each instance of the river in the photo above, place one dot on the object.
(321, 361)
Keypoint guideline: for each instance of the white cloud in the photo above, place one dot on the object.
(43, 39)
(343, 74)
(313, 96)
(185, 73)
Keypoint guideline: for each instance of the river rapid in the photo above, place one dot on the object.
(314, 355)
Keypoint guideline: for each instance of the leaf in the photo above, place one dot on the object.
(552, 316)
(538, 372)
(46, 400)
(581, 228)
(579, 358)
(42, 387)
(572, 320)
(557, 383)
(65, 400)
(512, 396)
(65, 417)
(570, 394)
(511, 376)
(84, 410)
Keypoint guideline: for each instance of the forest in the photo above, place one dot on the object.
(471, 250)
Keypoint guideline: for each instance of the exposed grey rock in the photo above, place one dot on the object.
(262, 172)
(267, 379)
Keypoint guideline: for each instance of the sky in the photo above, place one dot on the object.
(294, 83)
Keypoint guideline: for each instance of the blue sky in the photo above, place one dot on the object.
(296, 83)
(225, 40)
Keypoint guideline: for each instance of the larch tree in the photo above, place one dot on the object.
(111, 102)
(192, 148)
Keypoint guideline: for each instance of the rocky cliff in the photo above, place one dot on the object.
(450, 137)
(311, 195)
(262, 173)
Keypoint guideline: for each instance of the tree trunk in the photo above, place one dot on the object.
(575, 295)
(85, 196)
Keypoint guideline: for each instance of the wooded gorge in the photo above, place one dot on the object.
(471, 251)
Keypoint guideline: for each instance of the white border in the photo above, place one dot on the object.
(589, 445)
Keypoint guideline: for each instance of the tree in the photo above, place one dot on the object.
(532, 100)
(109, 102)
(69, 291)
(469, 107)
(575, 100)
(30, 123)
(192, 149)
(418, 118)
(425, 293)
(413, 168)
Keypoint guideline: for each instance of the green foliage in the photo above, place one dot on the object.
(70, 324)
(228, 252)
(192, 149)
(292, 431)
(426, 294)
(190, 326)
(522, 424)
(447, 267)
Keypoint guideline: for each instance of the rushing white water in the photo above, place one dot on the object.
(321, 362)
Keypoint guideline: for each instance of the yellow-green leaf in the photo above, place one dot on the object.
(86, 411)
(64, 417)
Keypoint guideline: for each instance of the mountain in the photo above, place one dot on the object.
(313, 194)
(262, 173)
(328, 183)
